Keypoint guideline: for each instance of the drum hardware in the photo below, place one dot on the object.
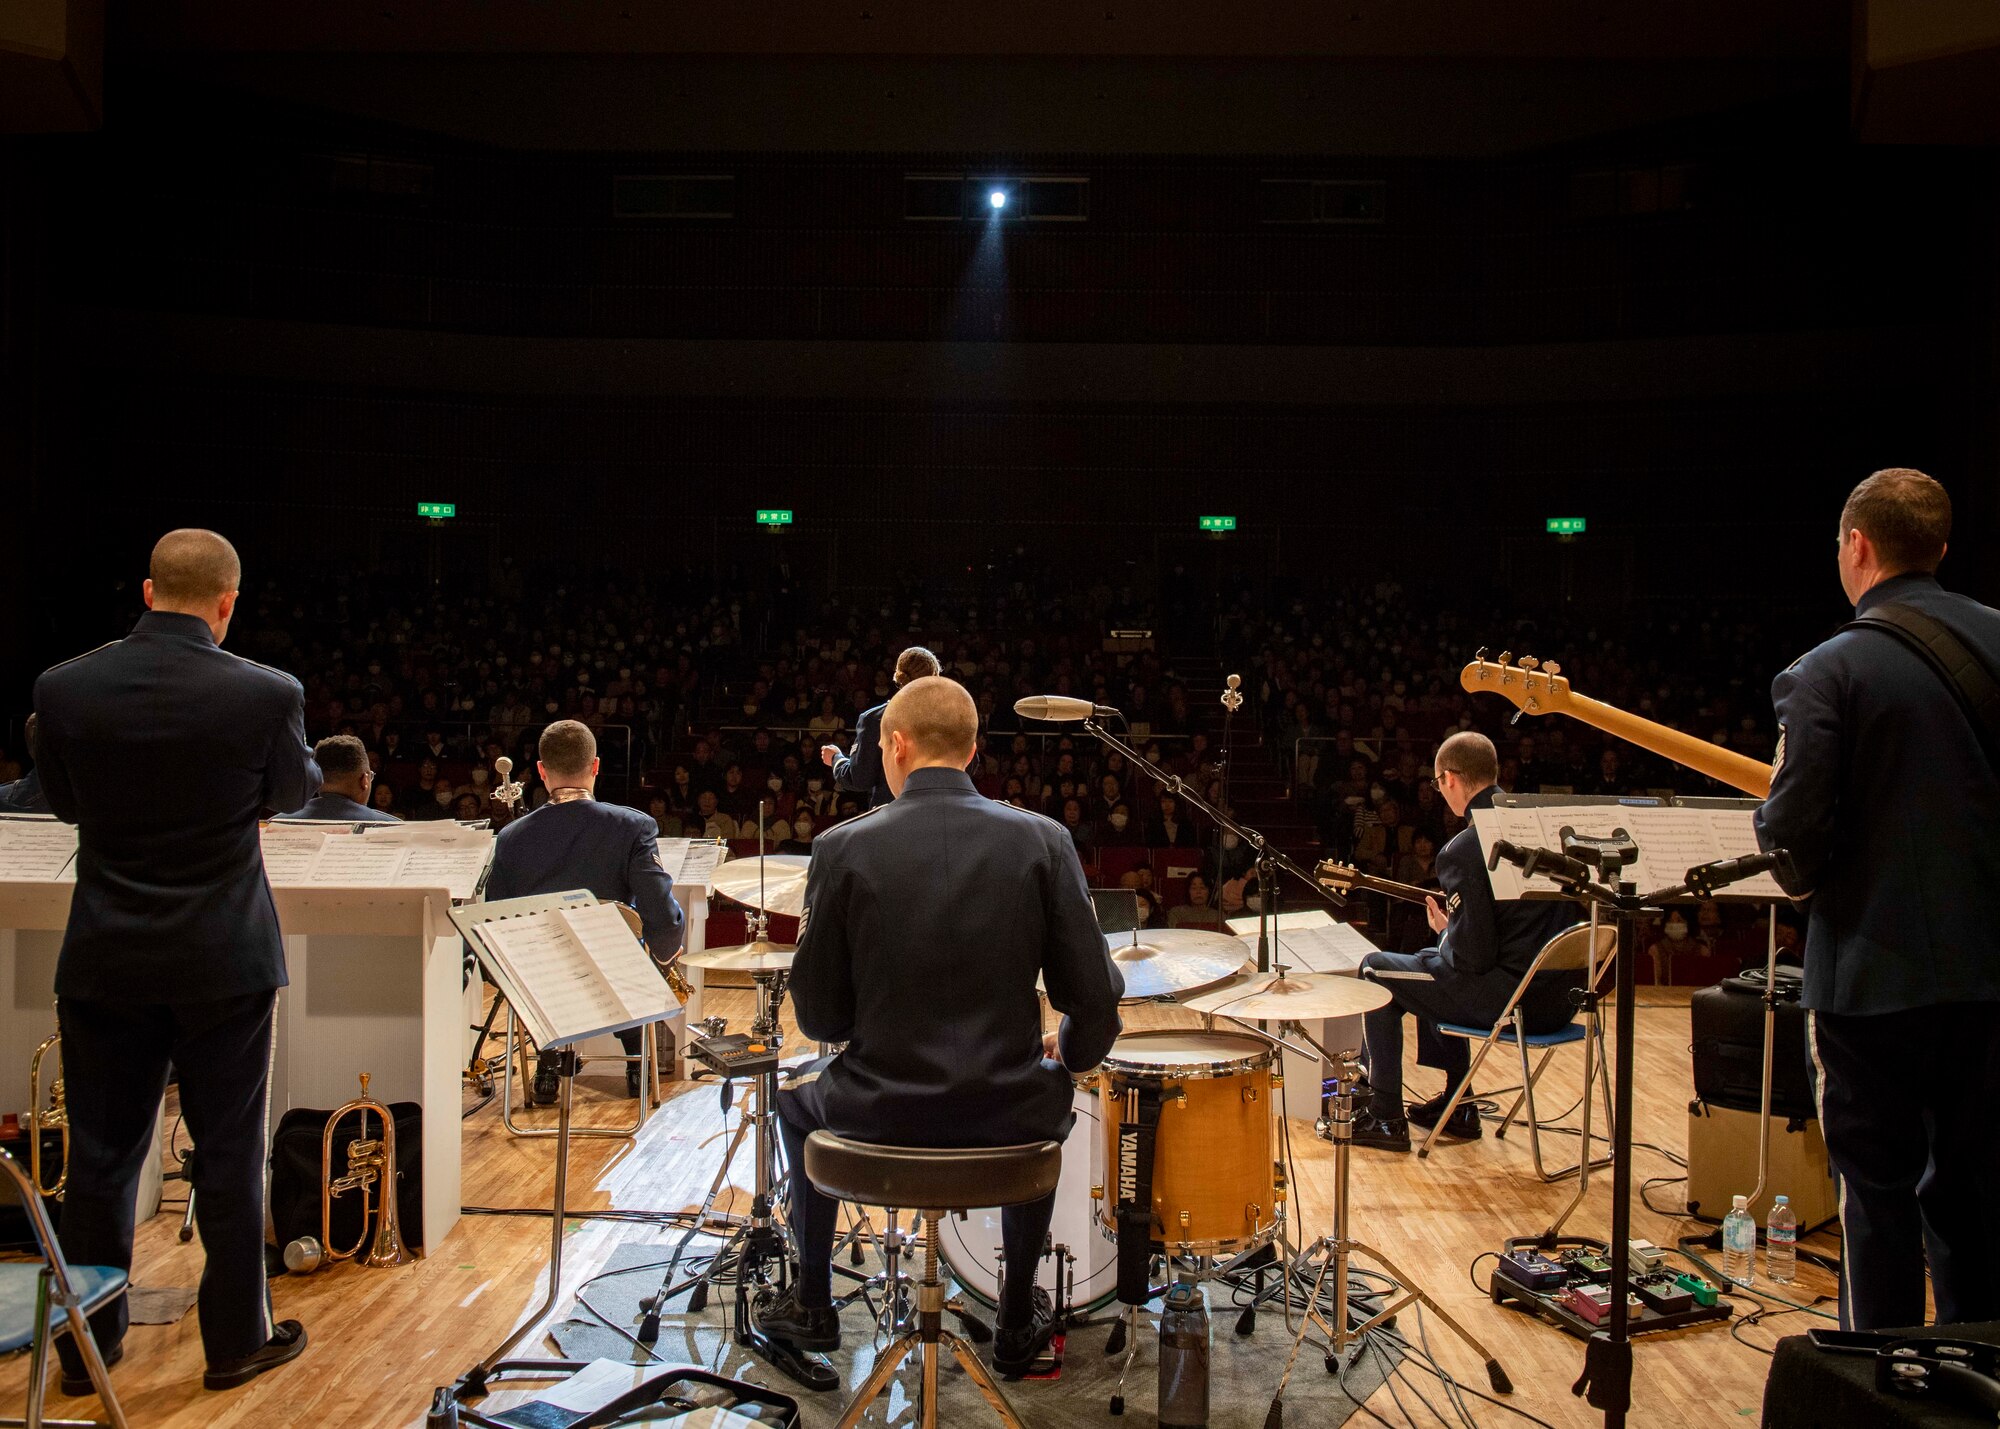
(371, 1170)
(53, 1117)
(1329, 1256)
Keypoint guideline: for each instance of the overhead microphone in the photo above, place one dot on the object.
(1059, 708)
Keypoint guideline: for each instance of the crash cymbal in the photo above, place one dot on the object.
(760, 956)
(1165, 961)
(775, 883)
(1266, 997)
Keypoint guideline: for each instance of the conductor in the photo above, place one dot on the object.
(163, 749)
(941, 888)
(573, 841)
(861, 772)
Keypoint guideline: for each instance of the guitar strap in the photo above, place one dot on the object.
(1963, 673)
(1138, 1134)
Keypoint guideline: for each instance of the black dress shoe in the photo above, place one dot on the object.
(286, 1345)
(547, 1086)
(807, 1327)
(632, 1082)
(1463, 1123)
(76, 1386)
(1017, 1347)
(1384, 1133)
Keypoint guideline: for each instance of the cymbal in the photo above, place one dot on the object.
(775, 883)
(1301, 997)
(1173, 960)
(760, 956)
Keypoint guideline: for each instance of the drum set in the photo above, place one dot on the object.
(1177, 1163)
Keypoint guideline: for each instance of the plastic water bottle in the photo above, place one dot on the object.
(1739, 1242)
(1781, 1242)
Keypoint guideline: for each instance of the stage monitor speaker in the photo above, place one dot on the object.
(1722, 1162)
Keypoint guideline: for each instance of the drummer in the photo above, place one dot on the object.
(926, 923)
(573, 841)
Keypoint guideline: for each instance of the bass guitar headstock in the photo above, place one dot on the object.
(1533, 687)
(1337, 876)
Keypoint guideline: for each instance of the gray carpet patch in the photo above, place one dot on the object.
(1244, 1370)
(162, 1305)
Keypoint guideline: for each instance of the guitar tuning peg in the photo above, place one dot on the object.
(1552, 669)
(1529, 662)
(1506, 657)
(1480, 654)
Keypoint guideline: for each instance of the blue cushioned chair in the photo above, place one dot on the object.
(26, 1293)
(1568, 951)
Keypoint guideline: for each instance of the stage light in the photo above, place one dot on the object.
(997, 198)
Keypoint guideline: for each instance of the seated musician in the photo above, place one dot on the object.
(1484, 950)
(926, 922)
(573, 841)
(24, 795)
(344, 780)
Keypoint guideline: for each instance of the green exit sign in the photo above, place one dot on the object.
(774, 518)
(437, 510)
(1565, 525)
(1218, 523)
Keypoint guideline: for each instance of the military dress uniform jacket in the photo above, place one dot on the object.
(163, 749)
(927, 922)
(1488, 945)
(323, 807)
(607, 848)
(861, 771)
(1891, 811)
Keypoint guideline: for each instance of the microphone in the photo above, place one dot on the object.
(1059, 708)
(1232, 697)
(1532, 861)
(1708, 877)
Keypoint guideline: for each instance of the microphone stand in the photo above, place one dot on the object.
(1270, 862)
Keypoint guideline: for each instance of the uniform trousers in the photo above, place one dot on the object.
(814, 1216)
(115, 1060)
(1906, 1103)
(1545, 1007)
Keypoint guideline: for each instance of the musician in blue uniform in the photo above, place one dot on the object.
(163, 749)
(860, 771)
(24, 795)
(1483, 950)
(1887, 797)
(926, 924)
(573, 841)
(345, 780)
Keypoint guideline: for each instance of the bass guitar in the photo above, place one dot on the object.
(1538, 689)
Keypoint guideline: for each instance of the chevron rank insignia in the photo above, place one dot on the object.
(1778, 754)
(1451, 905)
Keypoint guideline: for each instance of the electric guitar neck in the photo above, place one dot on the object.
(1342, 878)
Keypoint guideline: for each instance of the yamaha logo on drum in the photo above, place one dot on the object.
(1128, 1164)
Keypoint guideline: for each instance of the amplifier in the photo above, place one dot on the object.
(1727, 1022)
(1722, 1162)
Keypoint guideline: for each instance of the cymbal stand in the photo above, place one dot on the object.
(1332, 1254)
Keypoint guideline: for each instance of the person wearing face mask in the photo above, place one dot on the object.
(1483, 950)
(573, 841)
(1673, 939)
(861, 772)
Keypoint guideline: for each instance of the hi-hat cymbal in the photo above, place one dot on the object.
(1165, 961)
(758, 957)
(775, 883)
(1267, 997)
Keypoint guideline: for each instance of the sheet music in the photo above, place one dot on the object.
(37, 851)
(579, 971)
(289, 853)
(699, 862)
(1312, 940)
(356, 861)
(607, 938)
(673, 852)
(1671, 841)
(455, 867)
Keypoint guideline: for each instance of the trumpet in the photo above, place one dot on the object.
(371, 1170)
(53, 1118)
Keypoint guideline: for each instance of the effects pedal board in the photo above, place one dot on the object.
(735, 1054)
(1567, 1282)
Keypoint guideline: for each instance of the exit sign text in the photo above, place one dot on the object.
(437, 510)
(1218, 523)
(774, 518)
(1565, 525)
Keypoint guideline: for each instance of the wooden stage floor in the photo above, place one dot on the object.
(382, 1339)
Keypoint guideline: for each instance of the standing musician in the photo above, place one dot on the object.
(162, 749)
(1484, 950)
(1886, 794)
(862, 772)
(344, 780)
(925, 926)
(573, 841)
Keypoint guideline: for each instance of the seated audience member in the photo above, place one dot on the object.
(572, 841)
(1119, 830)
(382, 799)
(343, 784)
(1483, 950)
(710, 821)
(1199, 910)
(1169, 828)
(884, 915)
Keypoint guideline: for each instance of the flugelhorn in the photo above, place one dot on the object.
(54, 1117)
(371, 1170)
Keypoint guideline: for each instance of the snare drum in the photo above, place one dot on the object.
(1215, 1178)
(971, 1246)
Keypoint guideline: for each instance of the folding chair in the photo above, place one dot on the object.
(26, 1291)
(1568, 951)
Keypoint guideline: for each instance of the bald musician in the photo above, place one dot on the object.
(927, 921)
(163, 750)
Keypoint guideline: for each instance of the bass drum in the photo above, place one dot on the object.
(971, 1247)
